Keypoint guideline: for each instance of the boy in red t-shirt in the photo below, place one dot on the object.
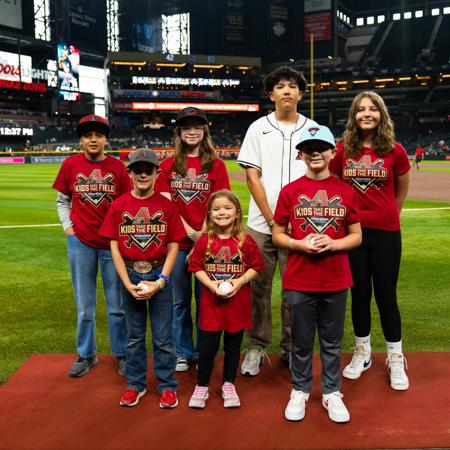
(87, 184)
(144, 228)
(321, 212)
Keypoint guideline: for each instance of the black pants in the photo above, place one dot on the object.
(326, 312)
(376, 261)
(209, 347)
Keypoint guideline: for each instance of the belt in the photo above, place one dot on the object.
(145, 266)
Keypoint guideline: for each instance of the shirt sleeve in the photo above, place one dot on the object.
(281, 215)
(222, 180)
(196, 262)
(108, 228)
(162, 183)
(253, 259)
(64, 208)
(249, 155)
(401, 163)
(61, 183)
(336, 163)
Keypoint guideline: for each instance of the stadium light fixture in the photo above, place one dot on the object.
(424, 77)
(404, 78)
(208, 66)
(177, 65)
(341, 82)
(383, 80)
(128, 63)
(360, 81)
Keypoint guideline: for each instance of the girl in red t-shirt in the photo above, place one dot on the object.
(188, 179)
(224, 260)
(377, 167)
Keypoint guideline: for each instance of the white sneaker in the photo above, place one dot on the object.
(229, 395)
(252, 362)
(199, 397)
(295, 409)
(361, 361)
(396, 364)
(337, 411)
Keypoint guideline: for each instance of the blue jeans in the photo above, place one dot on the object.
(159, 308)
(182, 327)
(84, 261)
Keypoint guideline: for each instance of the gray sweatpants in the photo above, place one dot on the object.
(326, 311)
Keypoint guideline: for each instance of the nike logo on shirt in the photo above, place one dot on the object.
(265, 132)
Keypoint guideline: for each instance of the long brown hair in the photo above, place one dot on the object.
(238, 231)
(207, 152)
(384, 138)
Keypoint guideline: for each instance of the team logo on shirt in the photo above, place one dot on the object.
(320, 212)
(223, 265)
(142, 229)
(95, 187)
(190, 186)
(365, 173)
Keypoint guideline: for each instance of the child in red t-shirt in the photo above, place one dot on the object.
(224, 259)
(377, 167)
(188, 178)
(87, 184)
(321, 213)
(144, 228)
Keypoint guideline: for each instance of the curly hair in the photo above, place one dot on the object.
(384, 138)
(238, 231)
(207, 152)
(284, 73)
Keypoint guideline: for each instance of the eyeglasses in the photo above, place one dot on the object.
(187, 129)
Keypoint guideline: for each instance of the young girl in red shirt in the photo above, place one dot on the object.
(188, 178)
(377, 168)
(224, 260)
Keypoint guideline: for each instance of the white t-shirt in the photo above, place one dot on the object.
(270, 148)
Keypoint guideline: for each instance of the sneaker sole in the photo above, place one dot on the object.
(129, 405)
(181, 369)
(168, 406)
(399, 388)
(248, 374)
(352, 376)
(294, 417)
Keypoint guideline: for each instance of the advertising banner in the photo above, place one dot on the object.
(316, 5)
(215, 107)
(48, 159)
(15, 68)
(68, 58)
(12, 160)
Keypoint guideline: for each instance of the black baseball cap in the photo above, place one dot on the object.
(190, 112)
(143, 155)
(93, 122)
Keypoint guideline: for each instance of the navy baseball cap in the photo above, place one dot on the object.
(190, 112)
(143, 155)
(316, 133)
(93, 122)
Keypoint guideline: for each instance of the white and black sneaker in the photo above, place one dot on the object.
(182, 364)
(361, 361)
(252, 362)
(396, 365)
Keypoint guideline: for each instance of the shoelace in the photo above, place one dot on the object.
(359, 356)
(229, 390)
(335, 398)
(397, 365)
(200, 391)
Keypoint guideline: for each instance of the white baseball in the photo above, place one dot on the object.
(225, 287)
(143, 287)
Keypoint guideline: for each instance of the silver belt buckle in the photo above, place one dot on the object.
(142, 266)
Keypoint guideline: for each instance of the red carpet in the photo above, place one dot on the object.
(42, 408)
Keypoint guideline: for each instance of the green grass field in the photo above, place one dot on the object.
(38, 315)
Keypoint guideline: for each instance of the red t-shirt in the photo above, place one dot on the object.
(143, 227)
(323, 207)
(420, 151)
(191, 192)
(223, 262)
(93, 186)
(373, 179)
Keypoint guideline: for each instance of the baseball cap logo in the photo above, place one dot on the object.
(312, 131)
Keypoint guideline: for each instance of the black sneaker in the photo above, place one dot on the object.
(82, 366)
(121, 363)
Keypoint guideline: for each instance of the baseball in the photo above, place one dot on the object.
(143, 287)
(225, 287)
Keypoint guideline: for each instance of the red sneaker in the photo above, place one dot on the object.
(131, 397)
(168, 399)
